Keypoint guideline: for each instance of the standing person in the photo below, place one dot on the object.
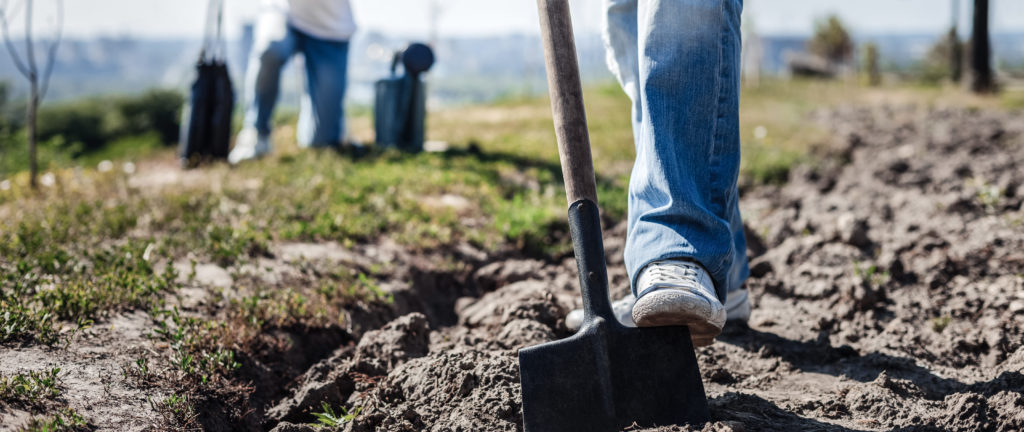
(678, 60)
(318, 29)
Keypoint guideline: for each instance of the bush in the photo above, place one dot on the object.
(82, 125)
(89, 129)
(154, 111)
(91, 124)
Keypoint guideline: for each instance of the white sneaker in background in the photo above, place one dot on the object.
(737, 306)
(249, 144)
(622, 308)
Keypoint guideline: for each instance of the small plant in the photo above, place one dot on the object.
(18, 322)
(871, 274)
(30, 389)
(329, 418)
(373, 290)
(139, 373)
(176, 403)
(940, 323)
(83, 324)
(177, 409)
(65, 420)
(195, 344)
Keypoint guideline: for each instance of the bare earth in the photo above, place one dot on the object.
(887, 281)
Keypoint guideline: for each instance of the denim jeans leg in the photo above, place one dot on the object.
(683, 201)
(275, 44)
(323, 110)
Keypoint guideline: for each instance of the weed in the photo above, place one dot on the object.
(48, 286)
(871, 274)
(64, 420)
(196, 349)
(329, 418)
(177, 410)
(18, 322)
(940, 323)
(989, 196)
(368, 290)
(30, 389)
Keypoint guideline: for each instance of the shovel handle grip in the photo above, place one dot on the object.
(567, 100)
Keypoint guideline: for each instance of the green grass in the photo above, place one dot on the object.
(88, 245)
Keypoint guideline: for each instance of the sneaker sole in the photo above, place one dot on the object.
(674, 307)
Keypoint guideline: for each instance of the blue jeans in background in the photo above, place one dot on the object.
(678, 60)
(321, 117)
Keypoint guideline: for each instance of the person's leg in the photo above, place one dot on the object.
(683, 201)
(323, 112)
(620, 42)
(274, 45)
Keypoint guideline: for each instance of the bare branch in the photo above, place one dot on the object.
(51, 55)
(9, 43)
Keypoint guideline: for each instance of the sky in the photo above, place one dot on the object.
(185, 18)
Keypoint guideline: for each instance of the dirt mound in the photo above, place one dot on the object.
(887, 284)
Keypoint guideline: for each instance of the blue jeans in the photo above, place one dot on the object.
(678, 60)
(321, 118)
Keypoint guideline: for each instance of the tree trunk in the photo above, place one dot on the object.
(956, 52)
(33, 109)
(956, 56)
(981, 51)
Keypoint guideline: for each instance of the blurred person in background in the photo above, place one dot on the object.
(318, 29)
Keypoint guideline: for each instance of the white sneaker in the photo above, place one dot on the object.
(249, 144)
(622, 308)
(737, 309)
(675, 292)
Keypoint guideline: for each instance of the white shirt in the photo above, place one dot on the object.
(324, 19)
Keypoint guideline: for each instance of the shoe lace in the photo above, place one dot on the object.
(675, 275)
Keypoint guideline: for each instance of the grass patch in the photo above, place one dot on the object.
(178, 411)
(64, 420)
(87, 246)
(30, 389)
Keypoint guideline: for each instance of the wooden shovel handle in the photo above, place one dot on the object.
(567, 100)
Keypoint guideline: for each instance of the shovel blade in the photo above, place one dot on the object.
(607, 377)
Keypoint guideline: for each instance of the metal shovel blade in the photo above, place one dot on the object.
(607, 377)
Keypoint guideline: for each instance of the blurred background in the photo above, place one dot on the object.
(486, 50)
(137, 57)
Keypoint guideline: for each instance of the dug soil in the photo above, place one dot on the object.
(887, 287)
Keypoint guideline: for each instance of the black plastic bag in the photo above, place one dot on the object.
(206, 121)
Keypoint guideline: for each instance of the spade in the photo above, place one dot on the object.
(606, 377)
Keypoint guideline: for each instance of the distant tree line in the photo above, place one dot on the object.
(946, 61)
